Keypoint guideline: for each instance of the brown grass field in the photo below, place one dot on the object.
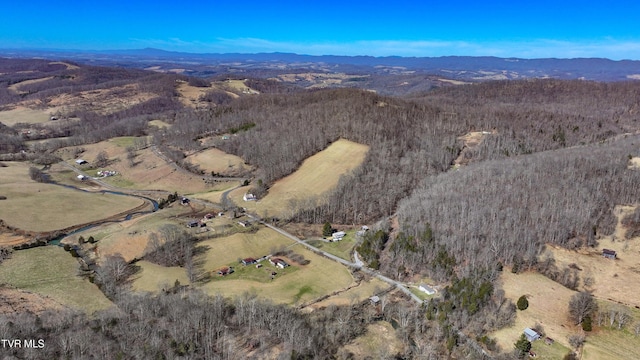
(548, 306)
(316, 176)
(36, 206)
(50, 271)
(159, 124)
(380, 339)
(614, 279)
(15, 88)
(360, 293)
(23, 115)
(217, 160)
(214, 195)
(190, 95)
(149, 173)
(104, 101)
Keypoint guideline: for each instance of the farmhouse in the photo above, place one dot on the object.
(426, 289)
(531, 334)
(278, 262)
(81, 162)
(609, 254)
(248, 261)
(82, 177)
(249, 197)
(337, 236)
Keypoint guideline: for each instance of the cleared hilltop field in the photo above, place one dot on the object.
(35, 206)
(219, 162)
(316, 176)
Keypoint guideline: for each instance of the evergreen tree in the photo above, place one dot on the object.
(523, 303)
(326, 229)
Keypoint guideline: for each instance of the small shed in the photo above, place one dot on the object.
(192, 224)
(185, 201)
(427, 289)
(531, 334)
(249, 197)
(375, 299)
(609, 254)
(81, 162)
(548, 341)
(82, 177)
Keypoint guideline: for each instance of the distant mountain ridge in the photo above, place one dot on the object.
(456, 67)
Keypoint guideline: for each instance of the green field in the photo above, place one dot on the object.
(227, 250)
(52, 272)
(342, 248)
(153, 278)
(36, 206)
(320, 277)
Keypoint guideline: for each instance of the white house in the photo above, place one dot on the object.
(426, 289)
(81, 161)
(249, 197)
(531, 334)
(82, 177)
(337, 236)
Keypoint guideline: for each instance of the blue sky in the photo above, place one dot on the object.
(528, 29)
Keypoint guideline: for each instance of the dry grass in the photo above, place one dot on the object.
(190, 95)
(608, 344)
(380, 339)
(45, 207)
(149, 173)
(159, 124)
(548, 305)
(23, 115)
(613, 279)
(154, 278)
(218, 161)
(104, 101)
(316, 176)
(215, 194)
(360, 293)
(51, 272)
(15, 88)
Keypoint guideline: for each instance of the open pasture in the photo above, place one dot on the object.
(37, 206)
(154, 278)
(23, 115)
(227, 250)
(219, 162)
(304, 188)
(149, 172)
(52, 272)
(612, 279)
(320, 277)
